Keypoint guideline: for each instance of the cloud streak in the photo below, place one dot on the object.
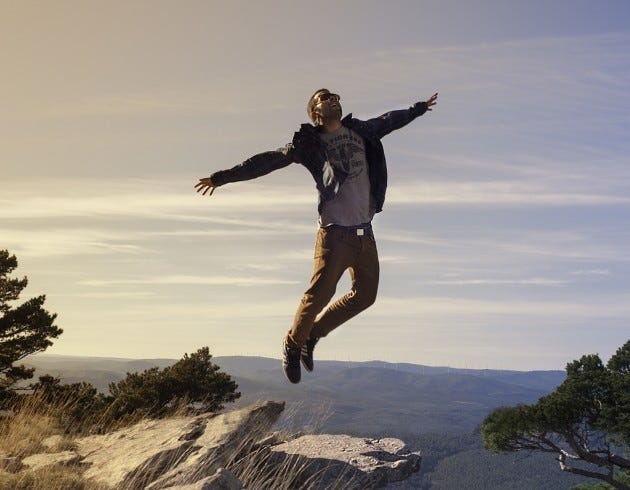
(505, 193)
(534, 281)
(189, 281)
(423, 307)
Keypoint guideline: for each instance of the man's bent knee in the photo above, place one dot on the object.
(316, 301)
(364, 299)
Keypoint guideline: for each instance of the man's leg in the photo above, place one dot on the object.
(333, 255)
(364, 273)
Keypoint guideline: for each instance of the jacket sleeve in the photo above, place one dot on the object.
(390, 121)
(256, 166)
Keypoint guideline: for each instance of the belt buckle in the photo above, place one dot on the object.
(360, 231)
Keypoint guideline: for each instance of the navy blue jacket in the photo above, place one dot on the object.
(308, 150)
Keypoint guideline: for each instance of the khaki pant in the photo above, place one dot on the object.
(337, 249)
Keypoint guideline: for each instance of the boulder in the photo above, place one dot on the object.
(37, 461)
(231, 435)
(53, 442)
(222, 480)
(157, 454)
(341, 461)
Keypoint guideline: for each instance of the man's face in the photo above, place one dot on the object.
(327, 105)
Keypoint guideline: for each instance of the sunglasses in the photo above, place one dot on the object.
(323, 97)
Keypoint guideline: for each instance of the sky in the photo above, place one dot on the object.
(505, 237)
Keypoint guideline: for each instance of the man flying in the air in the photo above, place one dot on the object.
(346, 159)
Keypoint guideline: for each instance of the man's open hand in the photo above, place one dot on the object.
(204, 185)
(431, 101)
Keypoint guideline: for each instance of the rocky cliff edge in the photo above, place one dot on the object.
(232, 450)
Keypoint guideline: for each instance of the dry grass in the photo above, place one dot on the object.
(24, 433)
(49, 478)
(258, 468)
(261, 469)
(36, 429)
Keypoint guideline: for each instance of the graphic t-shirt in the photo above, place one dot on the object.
(353, 203)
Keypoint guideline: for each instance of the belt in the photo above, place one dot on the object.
(359, 230)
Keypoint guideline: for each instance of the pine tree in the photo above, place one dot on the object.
(586, 420)
(24, 329)
(194, 379)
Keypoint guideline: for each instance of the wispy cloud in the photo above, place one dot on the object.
(116, 295)
(577, 244)
(55, 241)
(146, 200)
(196, 100)
(513, 245)
(592, 272)
(447, 307)
(555, 65)
(534, 281)
(505, 193)
(189, 280)
(260, 267)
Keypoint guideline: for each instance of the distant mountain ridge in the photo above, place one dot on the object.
(358, 397)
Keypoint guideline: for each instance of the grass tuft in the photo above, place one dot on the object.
(49, 478)
(37, 426)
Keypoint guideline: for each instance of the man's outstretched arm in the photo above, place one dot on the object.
(253, 167)
(390, 121)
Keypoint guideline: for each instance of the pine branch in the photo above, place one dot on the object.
(593, 474)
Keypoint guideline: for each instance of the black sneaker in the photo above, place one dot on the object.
(306, 354)
(291, 363)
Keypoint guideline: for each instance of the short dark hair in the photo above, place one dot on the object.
(312, 102)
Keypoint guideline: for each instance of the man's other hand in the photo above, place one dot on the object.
(431, 101)
(204, 185)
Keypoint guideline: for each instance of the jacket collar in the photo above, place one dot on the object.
(311, 127)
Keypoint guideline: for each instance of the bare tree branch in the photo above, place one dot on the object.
(593, 474)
